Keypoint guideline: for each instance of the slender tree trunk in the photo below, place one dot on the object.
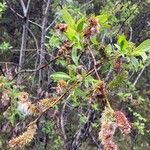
(24, 37)
(22, 52)
(42, 43)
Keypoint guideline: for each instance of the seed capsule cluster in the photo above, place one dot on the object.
(92, 28)
(61, 27)
(117, 65)
(64, 49)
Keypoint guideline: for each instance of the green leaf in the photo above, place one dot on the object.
(95, 106)
(108, 49)
(144, 46)
(72, 71)
(2, 7)
(74, 56)
(70, 33)
(69, 1)
(123, 43)
(135, 63)
(82, 118)
(88, 81)
(144, 56)
(54, 41)
(61, 62)
(102, 18)
(4, 47)
(60, 75)
(94, 40)
(67, 17)
(80, 24)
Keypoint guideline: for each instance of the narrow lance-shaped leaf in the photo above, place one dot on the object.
(143, 47)
(60, 75)
(80, 24)
(74, 56)
(67, 17)
(70, 33)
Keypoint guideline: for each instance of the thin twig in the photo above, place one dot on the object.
(99, 147)
(34, 38)
(85, 5)
(25, 10)
(62, 120)
(20, 16)
(34, 70)
(51, 23)
(131, 34)
(3, 62)
(108, 76)
(139, 75)
(94, 61)
(58, 100)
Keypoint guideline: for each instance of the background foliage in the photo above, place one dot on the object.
(49, 48)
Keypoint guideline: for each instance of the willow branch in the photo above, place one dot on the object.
(94, 61)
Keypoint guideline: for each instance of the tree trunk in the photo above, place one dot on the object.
(42, 73)
(24, 38)
(22, 52)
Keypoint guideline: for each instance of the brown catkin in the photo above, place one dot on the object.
(122, 122)
(106, 135)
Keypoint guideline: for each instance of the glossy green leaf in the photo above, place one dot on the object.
(94, 40)
(74, 56)
(80, 24)
(102, 18)
(67, 17)
(60, 75)
(70, 33)
(144, 46)
(123, 43)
